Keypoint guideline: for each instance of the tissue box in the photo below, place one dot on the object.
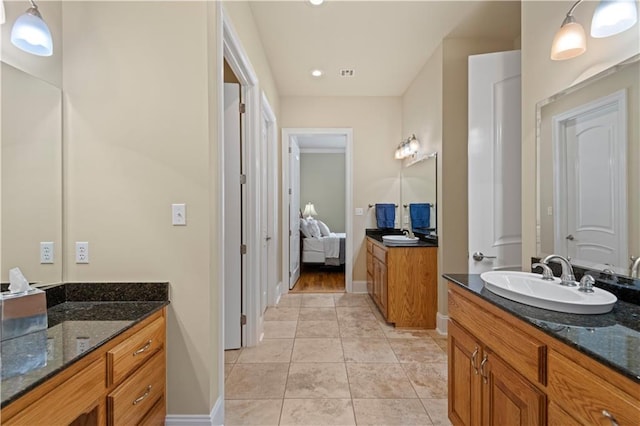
(23, 332)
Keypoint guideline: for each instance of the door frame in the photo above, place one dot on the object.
(348, 133)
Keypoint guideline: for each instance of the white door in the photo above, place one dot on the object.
(294, 212)
(590, 146)
(232, 218)
(494, 162)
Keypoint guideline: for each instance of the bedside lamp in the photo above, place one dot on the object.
(309, 211)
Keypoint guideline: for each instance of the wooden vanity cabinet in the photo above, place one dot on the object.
(402, 281)
(120, 383)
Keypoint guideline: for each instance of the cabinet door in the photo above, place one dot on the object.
(464, 378)
(383, 289)
(508, 398)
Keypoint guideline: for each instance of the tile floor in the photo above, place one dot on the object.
(330, 359)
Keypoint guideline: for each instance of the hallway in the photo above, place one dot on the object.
(330, 359)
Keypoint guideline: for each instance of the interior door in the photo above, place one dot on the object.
(494, 162)
(265, 216)
(294, 212)
(232, 218)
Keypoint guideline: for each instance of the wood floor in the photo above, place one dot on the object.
(319, 281)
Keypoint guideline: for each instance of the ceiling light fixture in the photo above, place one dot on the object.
(31, 34)
(612, 17)
(316, 2)
(317, 73)
(570, 40)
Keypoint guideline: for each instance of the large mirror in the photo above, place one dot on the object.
(588, 170)
(31, 173)
(419, 194)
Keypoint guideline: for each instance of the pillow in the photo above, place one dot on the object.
(314, 229)
(304, 228)
(324, 229)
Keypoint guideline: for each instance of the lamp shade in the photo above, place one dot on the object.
(309, 210)
(612, 17)
(31, 34)
(570, 41)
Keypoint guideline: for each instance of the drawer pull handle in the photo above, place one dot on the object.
(612, 419)
(473, 361)
(484, 361)
(143, 397)
(144, 348)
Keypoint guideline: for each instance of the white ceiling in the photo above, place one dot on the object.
(385, 42)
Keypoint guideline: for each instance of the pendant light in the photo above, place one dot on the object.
(570, 40)
(31, 34)
(612, 17)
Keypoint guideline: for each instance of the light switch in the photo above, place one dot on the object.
(549, 211)
(359, 211)
(179, 214)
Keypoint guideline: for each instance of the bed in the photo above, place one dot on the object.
(321, 246)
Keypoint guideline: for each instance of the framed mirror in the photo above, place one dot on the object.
(588, 174)
(31, 179)
(419, 194)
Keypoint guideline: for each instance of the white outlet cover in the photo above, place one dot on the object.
(46, 252)
(82, 252)
(179, 214)
(359, 211)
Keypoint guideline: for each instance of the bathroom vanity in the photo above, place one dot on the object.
(511, 363)
(402, 281)
(105, 359)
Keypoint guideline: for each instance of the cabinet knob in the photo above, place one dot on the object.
(612, 419)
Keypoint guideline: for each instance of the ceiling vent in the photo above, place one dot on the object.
(346, 72)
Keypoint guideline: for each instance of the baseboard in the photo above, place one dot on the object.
(442, 324)
(215, 418)
(359, 287)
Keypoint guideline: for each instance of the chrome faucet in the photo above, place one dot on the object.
(408, 232)
(547, 273)
(635, 266)
(567, 277)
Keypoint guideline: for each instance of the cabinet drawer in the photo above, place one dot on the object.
(136, 396)
(380, 253)
(523, 352)
(157, 414)
(586, 396)
(131, 353)
(556, 416)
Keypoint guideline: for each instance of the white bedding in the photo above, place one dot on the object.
(317, 250)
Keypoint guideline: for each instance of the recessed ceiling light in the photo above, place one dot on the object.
(316, 2)
(317, 73)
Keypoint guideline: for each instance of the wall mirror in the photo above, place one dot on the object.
(418, 185)
(31, 173)
(588, 174)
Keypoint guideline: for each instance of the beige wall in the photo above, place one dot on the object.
(140, 133)
(542, 77)
(322, 182)
(376, 124)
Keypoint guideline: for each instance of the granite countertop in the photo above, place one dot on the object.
(425, 240)
(81, 318)
(612, 339)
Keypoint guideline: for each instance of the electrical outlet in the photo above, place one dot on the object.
(46, 252)
(82, 252)
(83, 344)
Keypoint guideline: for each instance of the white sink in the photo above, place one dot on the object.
(531, 289)
(400, 239)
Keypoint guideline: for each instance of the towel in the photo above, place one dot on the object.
(420, 215)
(386, 215)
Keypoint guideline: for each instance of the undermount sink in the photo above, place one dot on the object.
(531, 289)
(400, 239)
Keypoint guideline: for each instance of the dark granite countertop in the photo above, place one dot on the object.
(612, 339)
(425, 240)
(81, 318)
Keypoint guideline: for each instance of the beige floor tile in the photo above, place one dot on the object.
(429, 380)
(437, 410)
(269, 350)
(318, 301)
(405, 333)
(367, 350)
(280, 329)
(317, 350)
(317, 412)
(318, 314)
(444, 344)
(436, 336)
(227, 371)
(379, 381)
(350, 299)
(231, 356)
(418, 350)
(256, 381)
(319, 380)
(390, 412)
(355, 313)
(318, 329)
(282, 314)
(364, 328)
(263, 412)
(290, 300)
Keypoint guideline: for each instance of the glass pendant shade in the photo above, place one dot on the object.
(414, 145)
(31, 34)
(612, 17)
(570, 41)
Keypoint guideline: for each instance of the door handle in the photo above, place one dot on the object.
(570, 237)
(268, 238)
(478, 256)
